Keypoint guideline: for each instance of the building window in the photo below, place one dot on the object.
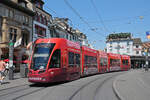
(45, 21)
(38, 4)
(11, 14)
(13, 34)
(26, 20)
(6, 12)
(128, 50)
(41, 19)
(110, 50)
(40, 31)
(25, 39)
(128, 43)
(2, 11)
(36, 17)
(137, 46)
(66, 36)
(137, 52)
(70, 37)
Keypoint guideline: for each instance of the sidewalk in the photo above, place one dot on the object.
(133, 85)
(13, 83)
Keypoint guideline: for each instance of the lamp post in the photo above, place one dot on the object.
(146, 58)
(11, 49)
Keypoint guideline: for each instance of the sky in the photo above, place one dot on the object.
(99, 18)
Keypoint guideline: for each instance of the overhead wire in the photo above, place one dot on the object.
(81, 18)
(99, 16)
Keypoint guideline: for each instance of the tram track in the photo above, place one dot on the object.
(12, 87)
(28, 93)
(87, 84)
(18, 92)
(101, 85)
(13, 90)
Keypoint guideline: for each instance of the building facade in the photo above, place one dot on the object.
(15, 24)
(41, 21)
(61, 29)
(137, 47)
(124, 45)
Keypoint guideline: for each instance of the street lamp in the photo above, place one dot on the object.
(146, 50)
(11, 50)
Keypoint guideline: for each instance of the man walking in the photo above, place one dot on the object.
(2, 69)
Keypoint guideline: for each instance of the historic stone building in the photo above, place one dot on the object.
(123, 43)
(15, 24)
(41, 20)
(61, 29)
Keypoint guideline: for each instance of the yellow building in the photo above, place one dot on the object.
(16, 21)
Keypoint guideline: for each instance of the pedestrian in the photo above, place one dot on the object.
(2, 69)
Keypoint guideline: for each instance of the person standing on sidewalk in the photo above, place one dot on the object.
(146, 67)
(2, 69)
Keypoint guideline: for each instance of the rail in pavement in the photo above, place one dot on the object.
(133, 85)
(18, 81)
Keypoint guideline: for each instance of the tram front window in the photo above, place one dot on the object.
(41, 55)
(55, 60)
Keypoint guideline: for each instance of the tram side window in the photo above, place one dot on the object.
(101, 62)
(55, 60)
(77, 59)
(74, 59)
(90, 61)
(71, 59)
(86, 60)
(105, 61)
(94, 61)
(125, 62)
(114, 62)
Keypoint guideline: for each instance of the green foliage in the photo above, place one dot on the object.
(119, 36)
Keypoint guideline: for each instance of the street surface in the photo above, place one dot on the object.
(127, 85)
(133, 85)
(97, 87)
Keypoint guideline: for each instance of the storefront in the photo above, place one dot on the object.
(138, 61)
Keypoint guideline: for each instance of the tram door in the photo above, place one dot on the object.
(64, 64)
(73, 65)
(56, 66)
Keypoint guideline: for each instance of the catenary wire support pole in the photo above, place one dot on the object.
(146, 59)
(11, 49)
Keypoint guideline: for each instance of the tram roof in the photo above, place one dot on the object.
(63, 41)
(113, 55)
(125, 56)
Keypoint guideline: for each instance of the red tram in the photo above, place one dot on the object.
(114, 62)
(125, 62)
(103, 62)
(58, 59)
(54, 60)
(89, 61)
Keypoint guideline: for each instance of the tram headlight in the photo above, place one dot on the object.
(43, 79)
(52, 73)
